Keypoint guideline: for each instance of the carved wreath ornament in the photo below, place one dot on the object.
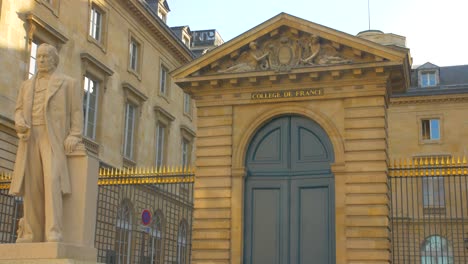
(284, 53)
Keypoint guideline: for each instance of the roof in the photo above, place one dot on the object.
(452, 80)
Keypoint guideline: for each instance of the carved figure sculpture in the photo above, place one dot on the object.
(48, 121)
(313, 49)
(251, 60)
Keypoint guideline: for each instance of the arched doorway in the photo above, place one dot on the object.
(289, 194)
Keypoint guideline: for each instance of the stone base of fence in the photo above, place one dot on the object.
(49, 252)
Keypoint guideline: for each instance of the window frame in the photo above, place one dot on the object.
(422, 78)
(188, 137)
(86, 106)
(439, 251)
(187, 105)
(433, 192)
(121, 224)
(182, 238)
(32, 58)
(103, 11)
(129, 139)
(160, 146)
(163, 119)
(137, 71)
(430, 129)
(164, 81)
(93, 68)
(421, 130)
(135, 97)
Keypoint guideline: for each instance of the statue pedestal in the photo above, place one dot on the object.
(79, 208)
(79, 221)
(46, 252)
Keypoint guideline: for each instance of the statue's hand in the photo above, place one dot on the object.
(21, 128)
(70, 143)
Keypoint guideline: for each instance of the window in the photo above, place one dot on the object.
(157, 238)
(134, 55)
(90, 107)
(430, 129)
(95, 79)
(433, 192)
(428, 79)
(182, 243)
(134, 99)
(185, 152)
(163, 81)
(436, 250)
(162, 14)
(186, 145)
(160, 144)
(95, 23)
(123, 233)
(163, 124)
(32, 58)
(187, 104)
(130, 110)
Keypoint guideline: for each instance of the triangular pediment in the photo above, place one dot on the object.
(286, 44)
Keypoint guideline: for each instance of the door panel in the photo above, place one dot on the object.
(289, 194)
(266, 215)
(311, 218)
(269, 148)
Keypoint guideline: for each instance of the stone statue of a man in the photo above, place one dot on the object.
(48, 120)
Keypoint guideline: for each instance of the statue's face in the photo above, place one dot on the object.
(45, 60)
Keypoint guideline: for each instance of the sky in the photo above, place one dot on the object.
(436, 31)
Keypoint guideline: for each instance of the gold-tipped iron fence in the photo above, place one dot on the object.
(429, 210)
(429, 166)
(134, 175)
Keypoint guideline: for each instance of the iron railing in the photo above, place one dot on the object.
(429, 210)
(144, 215)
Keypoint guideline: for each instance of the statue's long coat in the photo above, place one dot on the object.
(63, 118)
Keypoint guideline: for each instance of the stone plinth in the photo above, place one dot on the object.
(47, 252)
(79, 208)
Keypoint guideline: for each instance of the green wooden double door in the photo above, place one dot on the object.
(289, 194)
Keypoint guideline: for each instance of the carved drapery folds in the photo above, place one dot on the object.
(282, 52)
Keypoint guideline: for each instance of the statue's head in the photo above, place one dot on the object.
(253, 45)
(47, 58)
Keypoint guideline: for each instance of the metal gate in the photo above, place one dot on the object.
(429, 210)
(143, 215)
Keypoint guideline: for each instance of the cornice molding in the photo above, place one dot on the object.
(427, 99)
(162, 32)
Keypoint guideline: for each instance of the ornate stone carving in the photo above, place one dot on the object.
(282, 53)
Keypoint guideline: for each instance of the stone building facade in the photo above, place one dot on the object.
(287, 113)
(297, 125)
(121, 53)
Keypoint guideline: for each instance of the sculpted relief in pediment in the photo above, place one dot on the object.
(283, 52)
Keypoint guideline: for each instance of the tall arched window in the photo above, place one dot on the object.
(123, 236)
(157, 237)
(182, 243)
(436, 250)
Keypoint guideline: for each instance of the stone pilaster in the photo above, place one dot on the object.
(212, 215)
(367, 210)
